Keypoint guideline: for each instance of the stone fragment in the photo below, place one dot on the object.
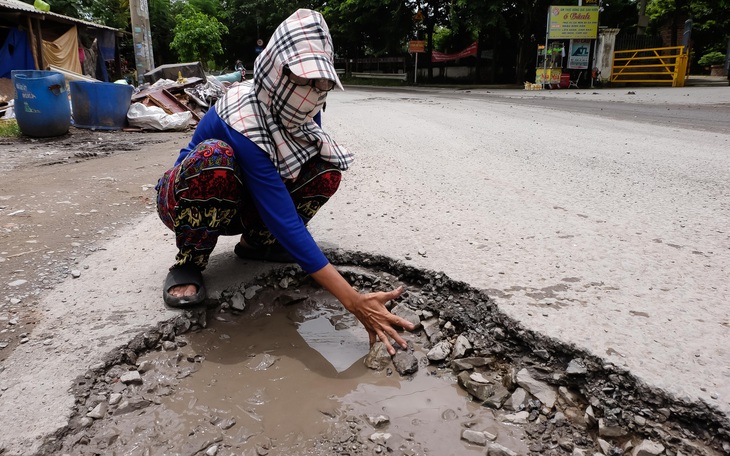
(227, 424)
(115, 398)
(131, 405)
(378, 358)
(251, 291)
(604, 445)
(75, 273)
(589, 416)
(407, 313)
(570, 398)
(575, 416)
(495, 449)
(479, 377)
(499, 395)
(648, 448)
(470, 363)
(145, 366)
(99, 411)
(405, 363)
(378, 421)
(440, 351)
(212, 450)
(517, 401)
(578, 452)
(169, 345)
(380, 437)
(238, 301)
(461, 346)
(449, 328)
(517, 418)
(431, 327)
(86, 421)
(475, 437)
(17, 283)
(131, 377)
(481, 391)
(639, 420)
(576, 367)
(263, 362)
(606, 429)
(541, 390)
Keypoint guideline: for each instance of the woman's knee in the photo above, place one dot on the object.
(210, 171)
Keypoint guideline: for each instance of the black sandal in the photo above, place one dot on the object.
(274, 253)
(184, 275)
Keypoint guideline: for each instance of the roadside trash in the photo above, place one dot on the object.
(171, 97)
(7, 112)
(100, 105)
(42, 107)
(42, 6)
(236, 76)
(206, 94)
(155, 118)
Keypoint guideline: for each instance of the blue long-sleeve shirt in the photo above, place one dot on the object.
(269, 193)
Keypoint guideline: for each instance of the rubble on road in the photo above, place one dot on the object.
(566, 401)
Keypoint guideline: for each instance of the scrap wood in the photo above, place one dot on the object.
(170, 87)
(168, 102)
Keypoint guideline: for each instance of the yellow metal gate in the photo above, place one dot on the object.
(664, 65)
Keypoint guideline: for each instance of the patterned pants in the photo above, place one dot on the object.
(204, 197)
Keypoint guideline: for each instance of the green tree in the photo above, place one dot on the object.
(113, 13)
(369, 27)
(250, 20)
(710, 22)
(197, 36)
(162, 23)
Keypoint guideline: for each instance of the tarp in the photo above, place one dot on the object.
(15, 53)
(64, 51)
(441, 57)
(106, 41)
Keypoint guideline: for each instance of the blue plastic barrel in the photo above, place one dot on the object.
(41, 103)
(100, 105)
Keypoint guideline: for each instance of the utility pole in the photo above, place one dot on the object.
(643, 19)
(142, 37)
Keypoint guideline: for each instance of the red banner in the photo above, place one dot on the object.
(441, 57)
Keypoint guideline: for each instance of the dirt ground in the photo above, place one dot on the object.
(60, 198)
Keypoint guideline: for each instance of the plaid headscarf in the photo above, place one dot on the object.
(275, 113)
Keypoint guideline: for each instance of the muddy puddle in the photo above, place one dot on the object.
(277, 368)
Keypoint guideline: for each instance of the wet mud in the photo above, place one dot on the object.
(275, 367)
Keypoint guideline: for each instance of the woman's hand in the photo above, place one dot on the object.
(369, 308)
(378, 321)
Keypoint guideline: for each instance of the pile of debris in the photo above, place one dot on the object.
(191, 91)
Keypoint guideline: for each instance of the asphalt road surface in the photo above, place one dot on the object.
(597, 219)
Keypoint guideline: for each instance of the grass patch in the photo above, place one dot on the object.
(9, 129)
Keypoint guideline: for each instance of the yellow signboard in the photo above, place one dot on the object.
(415, 46)
(573, 22)
(548, 75)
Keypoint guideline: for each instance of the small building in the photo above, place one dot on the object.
(32, 39)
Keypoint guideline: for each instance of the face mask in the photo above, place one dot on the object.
(295, 105)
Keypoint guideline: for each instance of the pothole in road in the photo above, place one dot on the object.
(277, 368)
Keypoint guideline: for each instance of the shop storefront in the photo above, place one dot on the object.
(566, 55)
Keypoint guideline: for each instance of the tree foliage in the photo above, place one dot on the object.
(223, 31)
(197, 36)
(710, 21)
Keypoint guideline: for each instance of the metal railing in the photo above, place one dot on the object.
(397, 76)
(664, 65)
